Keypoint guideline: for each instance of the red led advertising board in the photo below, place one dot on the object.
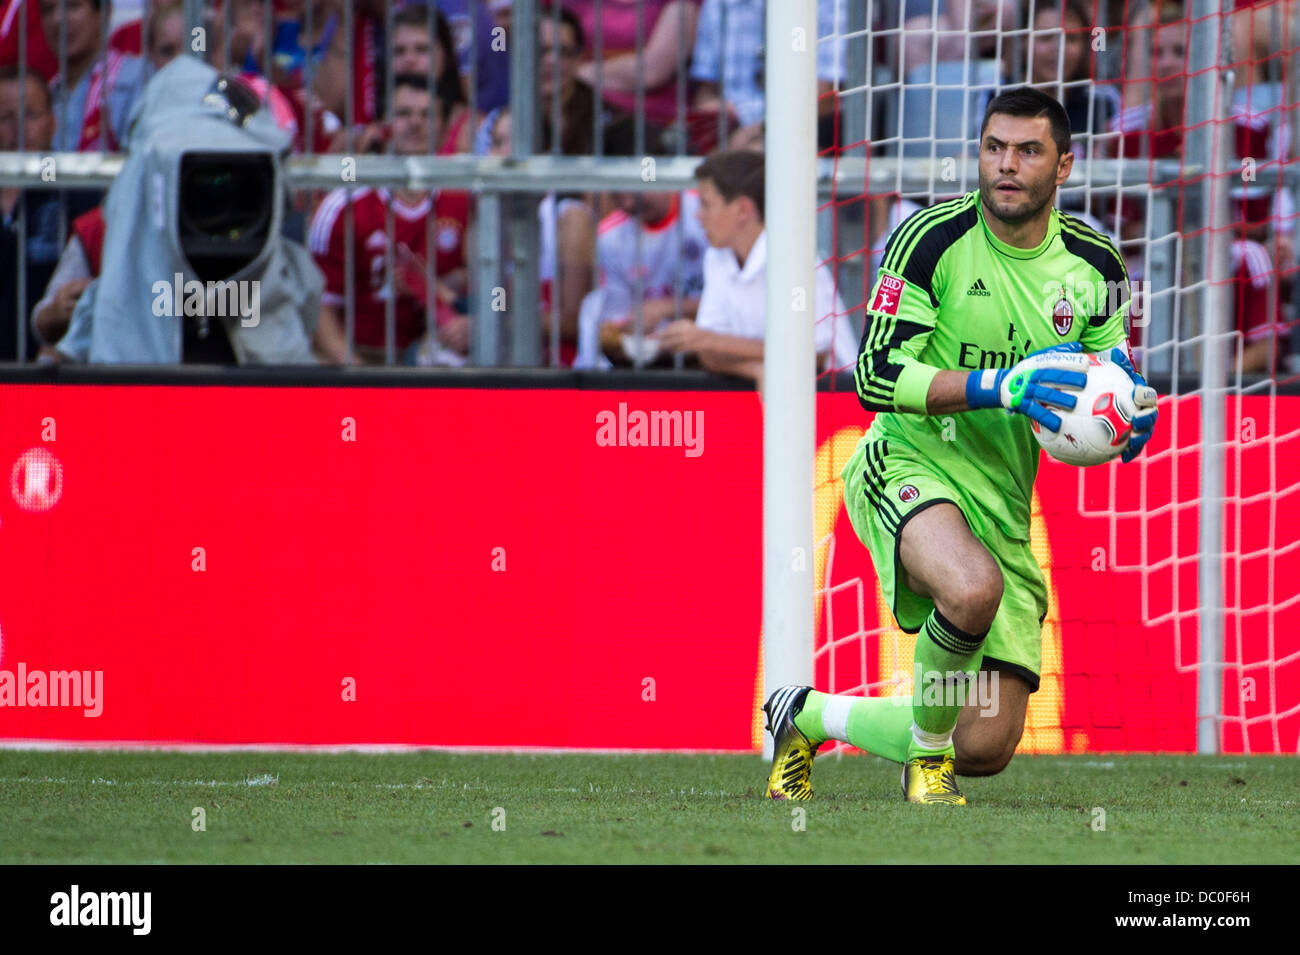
(208, 566)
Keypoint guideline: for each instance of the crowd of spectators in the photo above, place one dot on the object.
(625, 277)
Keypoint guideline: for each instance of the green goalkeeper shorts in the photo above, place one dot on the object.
(884, 488)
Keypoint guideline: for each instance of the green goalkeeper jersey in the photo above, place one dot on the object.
(951, 295)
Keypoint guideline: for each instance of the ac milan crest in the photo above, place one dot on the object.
(1063, 315)
(908, 493)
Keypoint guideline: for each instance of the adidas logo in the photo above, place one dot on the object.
(978, 289)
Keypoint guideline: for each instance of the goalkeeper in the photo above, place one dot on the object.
(977, 325)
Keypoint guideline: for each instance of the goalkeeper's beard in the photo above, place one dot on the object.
(1037, 196)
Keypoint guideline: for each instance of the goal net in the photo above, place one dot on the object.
(1174, 581)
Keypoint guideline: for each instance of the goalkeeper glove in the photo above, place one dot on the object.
(1144, 399)
(1027, 388)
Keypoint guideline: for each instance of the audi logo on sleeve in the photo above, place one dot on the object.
(888, 293)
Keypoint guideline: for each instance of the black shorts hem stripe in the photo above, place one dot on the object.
(1015, 669)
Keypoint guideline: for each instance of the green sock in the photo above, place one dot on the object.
(877, 724)
(899, 727)
(943, 652)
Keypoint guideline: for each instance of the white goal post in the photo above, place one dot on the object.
(789, 385)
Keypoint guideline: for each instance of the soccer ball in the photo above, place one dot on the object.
(1098, 428)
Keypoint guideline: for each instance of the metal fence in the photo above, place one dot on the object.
(873, 108)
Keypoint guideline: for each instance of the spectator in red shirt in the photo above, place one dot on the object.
(418, 219)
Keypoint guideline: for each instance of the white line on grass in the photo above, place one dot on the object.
(267, 779)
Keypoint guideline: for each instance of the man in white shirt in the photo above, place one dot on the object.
(731, 322)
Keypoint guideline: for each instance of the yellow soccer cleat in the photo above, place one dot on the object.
(793, 752)
(932, 780)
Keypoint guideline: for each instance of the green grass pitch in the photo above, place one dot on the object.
(75, 807)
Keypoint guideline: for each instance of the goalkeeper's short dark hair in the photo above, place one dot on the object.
(735, 172)
(1032, 103)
